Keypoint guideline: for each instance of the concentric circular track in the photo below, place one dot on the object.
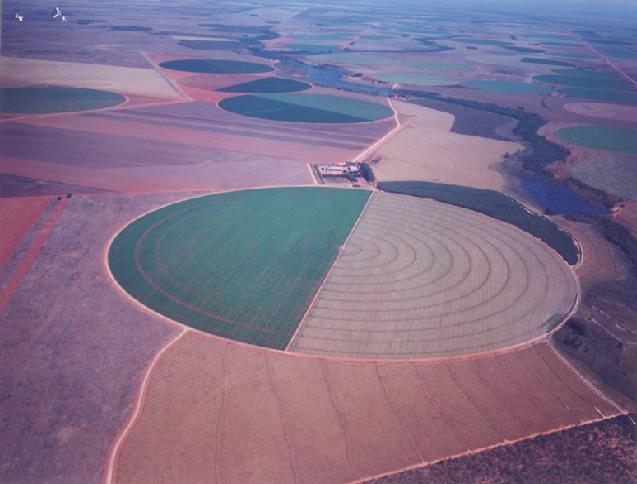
(419, 278)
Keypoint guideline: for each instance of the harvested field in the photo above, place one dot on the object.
(603, 451)
(494, 204)
(421, 279)
(618, 112)
(321, 420)
(426, 149)
(16, 217)
(71, 364)
(243, 265)
(125, 80)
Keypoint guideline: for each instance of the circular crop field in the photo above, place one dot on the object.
(243, 265)
(216, 66)
(604, 138)
(306, 108)
(267, 85)
(55, 99)
(416, 278)
(419, 278)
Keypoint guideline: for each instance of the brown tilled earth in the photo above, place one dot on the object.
(217, 409)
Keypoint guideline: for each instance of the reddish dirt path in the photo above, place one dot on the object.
(218, 410)
(30, 255)
(17, 214)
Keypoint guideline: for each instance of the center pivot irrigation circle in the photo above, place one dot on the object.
(341, 273)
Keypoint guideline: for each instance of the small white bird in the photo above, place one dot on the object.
(56, 13)
(64, 18)
(18, 17)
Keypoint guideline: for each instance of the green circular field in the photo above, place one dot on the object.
(267, 85)
(306, 108)
(243, 265)
(55, 99)
(605, 138)
(216, 66)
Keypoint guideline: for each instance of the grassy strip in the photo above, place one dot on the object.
(493, 204)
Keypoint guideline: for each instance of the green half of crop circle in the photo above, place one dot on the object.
(243, 265)
(216, 66)
(306, 108)
(55, 99)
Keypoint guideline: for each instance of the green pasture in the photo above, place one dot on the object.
(216, 66)
(605, 138)
(55, 99)
(243, 265)
(307, 108)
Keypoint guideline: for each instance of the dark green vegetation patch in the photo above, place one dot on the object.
(243, 265)
(550, 62)
(583, 81)
(55, 99)
(268, 85)
(305, 108)
(216, 66)
(493, 204)
(599, 94)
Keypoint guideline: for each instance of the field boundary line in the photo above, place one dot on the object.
(422, 465)
(137, 409)
(327, 274)
(172, 83)
(588, 383)
(378, 143)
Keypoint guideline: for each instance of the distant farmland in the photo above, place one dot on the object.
(242, 265)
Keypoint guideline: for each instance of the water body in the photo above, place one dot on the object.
(555, 198)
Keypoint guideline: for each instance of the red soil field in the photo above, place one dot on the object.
(273, 416)
(16, 216)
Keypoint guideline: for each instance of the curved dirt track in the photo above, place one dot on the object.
(219, 411)
(420, 279)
